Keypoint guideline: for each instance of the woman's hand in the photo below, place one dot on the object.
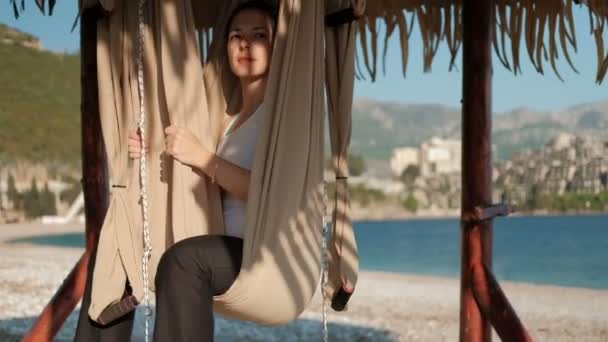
(134, 145)
(183, 146)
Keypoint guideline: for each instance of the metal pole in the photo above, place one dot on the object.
(476, 159)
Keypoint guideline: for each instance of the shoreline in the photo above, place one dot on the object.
(371, 214)
(364, 271)
(12, 232)
(388, 213)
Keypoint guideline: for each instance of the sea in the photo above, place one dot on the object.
(555, 250)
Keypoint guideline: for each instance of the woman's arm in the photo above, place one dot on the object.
(230, 177)
(183, 146)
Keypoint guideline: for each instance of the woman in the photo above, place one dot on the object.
(194, 270)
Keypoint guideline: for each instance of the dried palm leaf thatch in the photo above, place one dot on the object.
(598, 15)
(438, 20)
(545, 26)
(19, 6)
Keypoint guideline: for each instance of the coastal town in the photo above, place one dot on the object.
(417, 181)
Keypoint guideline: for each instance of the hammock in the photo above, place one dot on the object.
(283, 239)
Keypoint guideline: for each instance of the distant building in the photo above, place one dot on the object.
(435, 156)
(4, 202)
(25, 175)
(403, 157)
(440, 156)
(561, 141)
(587, 178)
(568, 163)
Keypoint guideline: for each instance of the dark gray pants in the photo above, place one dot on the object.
(189, 274)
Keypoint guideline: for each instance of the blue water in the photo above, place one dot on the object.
(562, 250)
(558, 250)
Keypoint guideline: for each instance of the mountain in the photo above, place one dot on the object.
(39, 100)
(9, 35)
(378, 127)
(40, 114)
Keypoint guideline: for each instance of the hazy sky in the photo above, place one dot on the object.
(530, 89)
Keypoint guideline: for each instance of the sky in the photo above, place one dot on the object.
(530, 89)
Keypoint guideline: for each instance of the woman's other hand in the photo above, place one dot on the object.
(135, 145)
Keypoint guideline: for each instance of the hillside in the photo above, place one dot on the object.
(39, 101)
(378, 127)
(40, 121)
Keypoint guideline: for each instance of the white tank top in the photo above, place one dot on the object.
(238, 147)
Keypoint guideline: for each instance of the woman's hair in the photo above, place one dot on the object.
(265, 7)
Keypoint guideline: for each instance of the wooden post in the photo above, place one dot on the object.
(94, 182)
(476, 159)
(95, 172)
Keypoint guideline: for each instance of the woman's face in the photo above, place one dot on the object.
(249, 44)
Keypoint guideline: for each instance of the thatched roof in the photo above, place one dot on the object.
(546, 27)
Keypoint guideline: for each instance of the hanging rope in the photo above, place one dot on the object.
(324, 265)
(142, 166)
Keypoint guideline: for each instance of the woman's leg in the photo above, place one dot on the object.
(189, 274)
(88, 330)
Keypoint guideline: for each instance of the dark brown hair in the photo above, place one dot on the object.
(265, 7)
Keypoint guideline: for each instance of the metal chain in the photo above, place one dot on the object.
(142, 167)
(325, 265)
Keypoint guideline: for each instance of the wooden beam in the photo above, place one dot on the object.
(495, 306)
(341, 17)
(61, 305)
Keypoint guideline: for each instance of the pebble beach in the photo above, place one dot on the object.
(385, 306)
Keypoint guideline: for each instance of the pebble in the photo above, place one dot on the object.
(385, 306)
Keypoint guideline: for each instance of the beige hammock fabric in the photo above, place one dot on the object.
(340, 66)
(282, 244)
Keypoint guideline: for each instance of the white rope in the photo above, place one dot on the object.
(142, 166)
(325, 265)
